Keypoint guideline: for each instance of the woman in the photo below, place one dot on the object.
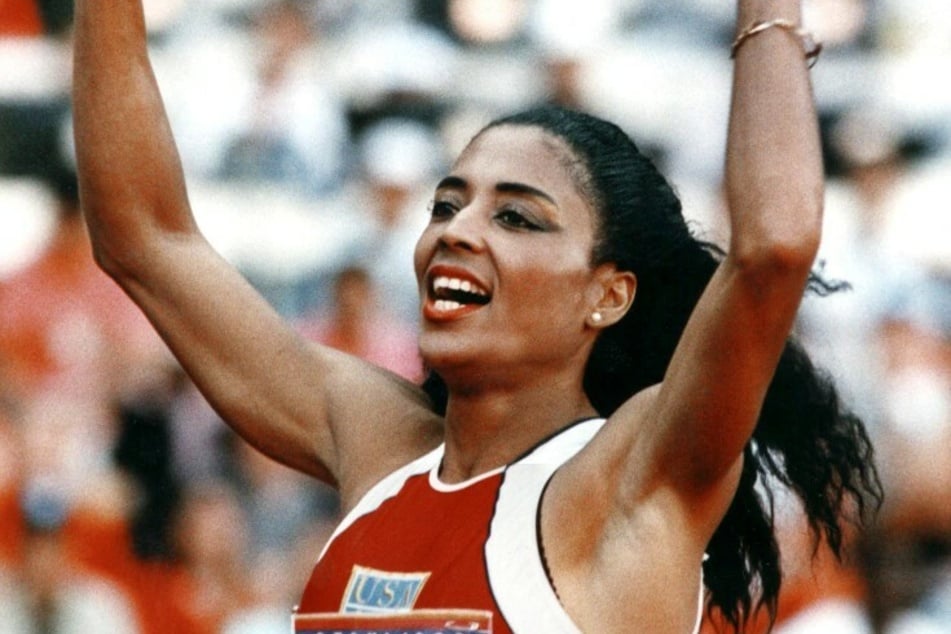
(559, 285)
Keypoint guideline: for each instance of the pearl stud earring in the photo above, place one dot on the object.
(596, 318)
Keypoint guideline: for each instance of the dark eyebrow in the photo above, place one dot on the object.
(454, 182)
(522, 188)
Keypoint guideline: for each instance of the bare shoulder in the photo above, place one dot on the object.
(379, 422)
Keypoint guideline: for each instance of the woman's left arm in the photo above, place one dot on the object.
(706, 409)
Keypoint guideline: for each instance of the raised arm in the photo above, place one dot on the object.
(680, 443)
(309, 407)
(710, 399)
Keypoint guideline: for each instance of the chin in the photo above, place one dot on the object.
(442, 351)
(436, 349)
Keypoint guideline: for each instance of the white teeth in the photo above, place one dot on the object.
(457, 284)
(446, 305)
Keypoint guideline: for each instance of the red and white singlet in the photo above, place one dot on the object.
(416, 545)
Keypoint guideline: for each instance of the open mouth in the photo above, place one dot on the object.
(452, 293)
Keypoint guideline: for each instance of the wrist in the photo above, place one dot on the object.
(811, 47)
(750, 11)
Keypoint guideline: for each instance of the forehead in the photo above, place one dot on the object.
(523, 154)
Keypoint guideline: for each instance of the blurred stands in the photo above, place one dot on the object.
(312, 132)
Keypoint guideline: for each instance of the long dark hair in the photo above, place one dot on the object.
(805, 438)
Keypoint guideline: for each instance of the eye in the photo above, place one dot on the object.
(441, 209)
(517, 220)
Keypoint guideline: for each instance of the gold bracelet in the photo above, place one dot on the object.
(810, 44)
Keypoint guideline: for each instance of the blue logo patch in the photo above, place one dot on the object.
(372, 591)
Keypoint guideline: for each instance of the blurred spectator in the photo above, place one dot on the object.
(121, 525)
(475, 22)
(46, 584)
(277, 577)
(212, 543)
(567, 34)
(279, 503)
(289, 518)
(399, 161)
(896, 207)
(396, 60)
(50, 594)
(66, 323)
(910, 554)
(292, 129)
(358, 324)
(887, 341)
(881, 215)
(142, 452)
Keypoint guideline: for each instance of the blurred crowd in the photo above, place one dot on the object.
(311, 132)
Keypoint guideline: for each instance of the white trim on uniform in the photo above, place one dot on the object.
(516, 572)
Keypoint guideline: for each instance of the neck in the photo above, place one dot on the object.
(490, 427)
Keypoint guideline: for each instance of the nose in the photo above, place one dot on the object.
(465, 231)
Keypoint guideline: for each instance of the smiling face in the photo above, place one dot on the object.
(504, 267)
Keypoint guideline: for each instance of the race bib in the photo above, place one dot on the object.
(412, 622)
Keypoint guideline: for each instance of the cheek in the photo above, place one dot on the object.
(552, 295)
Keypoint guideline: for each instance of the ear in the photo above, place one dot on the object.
(612, 295)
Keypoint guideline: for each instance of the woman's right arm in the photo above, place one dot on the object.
(309, 407)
